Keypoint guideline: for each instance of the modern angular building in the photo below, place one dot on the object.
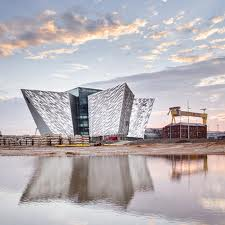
(110, 110)
(64, 113)
(85, 111)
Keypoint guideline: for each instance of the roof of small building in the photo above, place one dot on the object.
(186, 124)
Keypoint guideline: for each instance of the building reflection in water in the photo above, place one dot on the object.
(187, 165)
(114, 179)
(135, 184)
(88, 179)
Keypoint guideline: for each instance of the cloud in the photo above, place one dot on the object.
(3, 30)
(154, 54)
(125, 47)
(185, 51)
(189, 26)
(217, 40)
(47, 14)
(203, 47)
(165, 45)
(51, 54)
(217, 19)
(219, 116)
(211, 81)
(220, 47)
(4, 98)
(150, 57)
(4, 95)
(214, 97)
(152, 11)
(190, 58)
(172, 20)
(77, 66)
(154, 27)
(169, 21)
(148, 66)
(159, 34)
(66, 74)
(70, 28)
(180, 15)
(100, 59)
(208, 32)
(155, 13)
(199, 47)
(60, 76)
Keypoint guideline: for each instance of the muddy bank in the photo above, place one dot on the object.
(144, 149)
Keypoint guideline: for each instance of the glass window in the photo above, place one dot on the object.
(83, 117)
(83, 123)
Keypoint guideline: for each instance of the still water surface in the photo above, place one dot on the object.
(134, 190)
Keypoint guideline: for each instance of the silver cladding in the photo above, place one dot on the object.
(140, 114)
(109, 111)
(53, 108)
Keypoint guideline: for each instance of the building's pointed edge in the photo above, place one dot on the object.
(40, 123)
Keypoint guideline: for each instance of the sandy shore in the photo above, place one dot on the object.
(144, 149)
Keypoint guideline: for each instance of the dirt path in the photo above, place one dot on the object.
(147, 149)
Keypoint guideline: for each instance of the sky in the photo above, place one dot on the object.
(171, 50)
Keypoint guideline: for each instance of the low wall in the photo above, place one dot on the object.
(48, 140)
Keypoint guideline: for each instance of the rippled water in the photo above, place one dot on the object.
(124, 190)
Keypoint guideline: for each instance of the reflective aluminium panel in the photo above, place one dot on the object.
(140, 114)
(50, 110)
(126, 111)
(109, 111)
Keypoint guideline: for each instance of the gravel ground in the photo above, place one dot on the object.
(143, 149)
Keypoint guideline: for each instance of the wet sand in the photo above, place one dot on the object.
(142, 149)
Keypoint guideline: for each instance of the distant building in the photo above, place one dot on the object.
(86, 111)
(216, 135)
(153, 133)
(180, 130)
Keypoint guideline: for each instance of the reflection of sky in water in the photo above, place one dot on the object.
(112, 190)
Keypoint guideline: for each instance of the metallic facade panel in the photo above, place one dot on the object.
(140, 114)
(126, 111)
(53, 108)
(109, 111)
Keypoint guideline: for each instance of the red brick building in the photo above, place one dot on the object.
(180, 130)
